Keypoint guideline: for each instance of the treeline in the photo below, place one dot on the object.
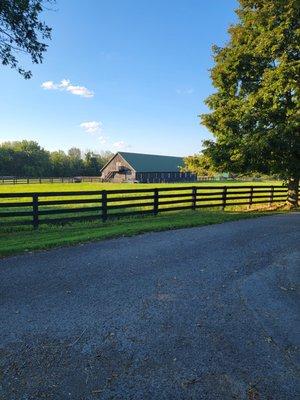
(28, 159)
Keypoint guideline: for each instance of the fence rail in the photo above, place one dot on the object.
(22, 181)
(60, 207)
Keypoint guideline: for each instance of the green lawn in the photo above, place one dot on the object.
(50, 236)
(58, 187)
(20, 239)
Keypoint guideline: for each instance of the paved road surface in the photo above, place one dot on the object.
(203, 313)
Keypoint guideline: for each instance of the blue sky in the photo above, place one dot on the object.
(119, 75)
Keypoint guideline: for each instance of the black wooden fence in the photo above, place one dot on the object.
(66, 179)
(64, 207)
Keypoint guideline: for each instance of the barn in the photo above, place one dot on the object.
(144, 168)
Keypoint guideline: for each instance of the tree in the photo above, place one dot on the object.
(21, 31)
(60, 163)
(75, 161)
(93, 162)
(25, 158)
(255, 111)
(199, 164)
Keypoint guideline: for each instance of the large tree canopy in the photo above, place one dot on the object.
(21, 31)
(255, 111)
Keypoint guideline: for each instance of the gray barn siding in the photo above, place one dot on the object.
(162, 177)
(111, 172)
(113, 166)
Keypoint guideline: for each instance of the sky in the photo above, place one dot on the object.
(127, 75)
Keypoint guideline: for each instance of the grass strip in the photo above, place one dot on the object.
(14, 242)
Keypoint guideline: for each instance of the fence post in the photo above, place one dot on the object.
(271, 195)
(250, 197)
(35, 210)
(104, 205)
(155, 202)
(194, 198)
(224, 197)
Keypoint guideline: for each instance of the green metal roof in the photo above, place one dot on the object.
(152, 163)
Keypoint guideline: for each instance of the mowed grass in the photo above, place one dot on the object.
(23, 239)
(56, 235)
(65, 187)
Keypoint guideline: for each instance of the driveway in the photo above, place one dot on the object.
(204, 313)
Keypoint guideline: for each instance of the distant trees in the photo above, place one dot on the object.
(29, 159)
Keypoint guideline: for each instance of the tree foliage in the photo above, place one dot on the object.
(21, 31)
(29, 159)
(255, 110)
(199, 164)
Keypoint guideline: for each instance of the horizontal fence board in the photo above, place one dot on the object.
(70, 201)
(179, 188)
(176, 195)
(269, 191)
(19, 204)
(209, 198)
(175, 201)
(121, 191)
(51, 194)
(7, 214)
(203, 194)
(71, 193)
(264, 196)
(129, 198)
(232, 192)
(147, 204)
(14, 195)
(69, 210)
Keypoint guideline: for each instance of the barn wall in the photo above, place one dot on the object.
(161, 177)
(113, 166)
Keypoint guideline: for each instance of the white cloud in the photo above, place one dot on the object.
(102, 139)
(94, 128)
(48, 85)
(91, 126)
(121, 145)
(185, 91)
(66, 85)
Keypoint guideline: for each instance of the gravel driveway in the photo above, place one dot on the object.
(204, 313)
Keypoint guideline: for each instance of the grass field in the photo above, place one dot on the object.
(16, 240)
(58, 187)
